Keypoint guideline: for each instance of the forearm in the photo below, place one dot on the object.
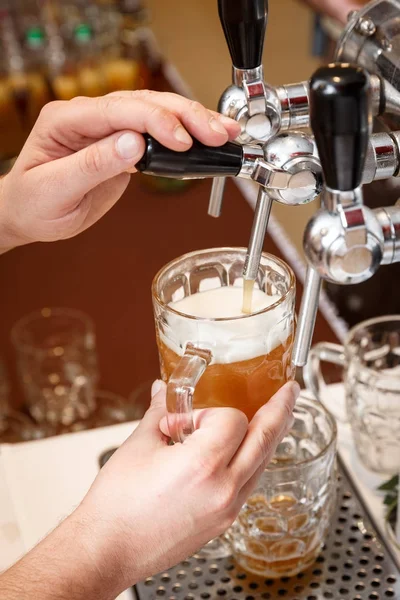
(60, 568)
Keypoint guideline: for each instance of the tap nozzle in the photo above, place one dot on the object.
(260, 223)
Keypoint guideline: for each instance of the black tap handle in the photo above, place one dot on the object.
(340, 120)
(197, 162)
(244, 23)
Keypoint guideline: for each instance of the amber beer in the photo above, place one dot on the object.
(245, 385)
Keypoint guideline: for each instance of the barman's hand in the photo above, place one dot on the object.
(77, 161)
(336, 9)
(153, 504)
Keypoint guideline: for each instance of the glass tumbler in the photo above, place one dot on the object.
(282, 527)
(14, 425)
(370, 358)
(57, 363)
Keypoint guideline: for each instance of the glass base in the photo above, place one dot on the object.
(15, 427)
(216, 548)
(111, 409)
(283, 568)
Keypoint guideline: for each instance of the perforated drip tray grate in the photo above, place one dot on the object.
(354, 565)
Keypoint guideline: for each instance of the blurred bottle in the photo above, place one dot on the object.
(32, 39)
(14, 91)
(88, 61)
(134, 35)
(61, 68)
(121, 70)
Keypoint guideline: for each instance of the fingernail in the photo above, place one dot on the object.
(156, 387)
(217, 126)
(295, 389)
(128, 146)
(182, 135)
(227, 121)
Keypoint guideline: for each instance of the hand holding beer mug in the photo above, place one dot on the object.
(211, 354)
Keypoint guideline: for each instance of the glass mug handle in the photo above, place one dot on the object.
(180, 391)
(313, 378)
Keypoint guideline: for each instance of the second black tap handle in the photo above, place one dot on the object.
(197, 162)
(244, 23)
(340, 120)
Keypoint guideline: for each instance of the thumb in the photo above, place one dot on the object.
(82, 171)
(109, 157)
(157, 411)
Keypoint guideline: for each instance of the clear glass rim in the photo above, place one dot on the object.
(281, 263)
(45, 313)
(363, 325)
(324, 451)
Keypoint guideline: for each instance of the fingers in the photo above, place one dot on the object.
(217, 436)
(192, 113)
(265, 432)
(76, 123)
(218, 433)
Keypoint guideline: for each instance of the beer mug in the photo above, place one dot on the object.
(238, 361)
(370, 358)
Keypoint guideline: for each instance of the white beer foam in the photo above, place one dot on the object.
(230, 340)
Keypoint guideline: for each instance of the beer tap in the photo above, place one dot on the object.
(248, 100)
(287, 166)
(343, 242)
(261, 110)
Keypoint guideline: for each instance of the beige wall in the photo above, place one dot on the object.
(190, 36)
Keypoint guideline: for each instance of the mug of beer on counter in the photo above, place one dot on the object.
(211, 353)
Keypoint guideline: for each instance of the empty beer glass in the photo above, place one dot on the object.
(14, 426)
(282, 527)
(57, 363)
(370, 358)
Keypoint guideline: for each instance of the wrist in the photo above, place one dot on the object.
(7, 238)
(112, 555)
(95, 566)
(61, 566)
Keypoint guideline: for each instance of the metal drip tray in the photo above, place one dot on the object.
(354, 565)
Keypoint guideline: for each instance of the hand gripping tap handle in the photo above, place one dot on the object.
(339, 117)
(244, 23)
(198, 162)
